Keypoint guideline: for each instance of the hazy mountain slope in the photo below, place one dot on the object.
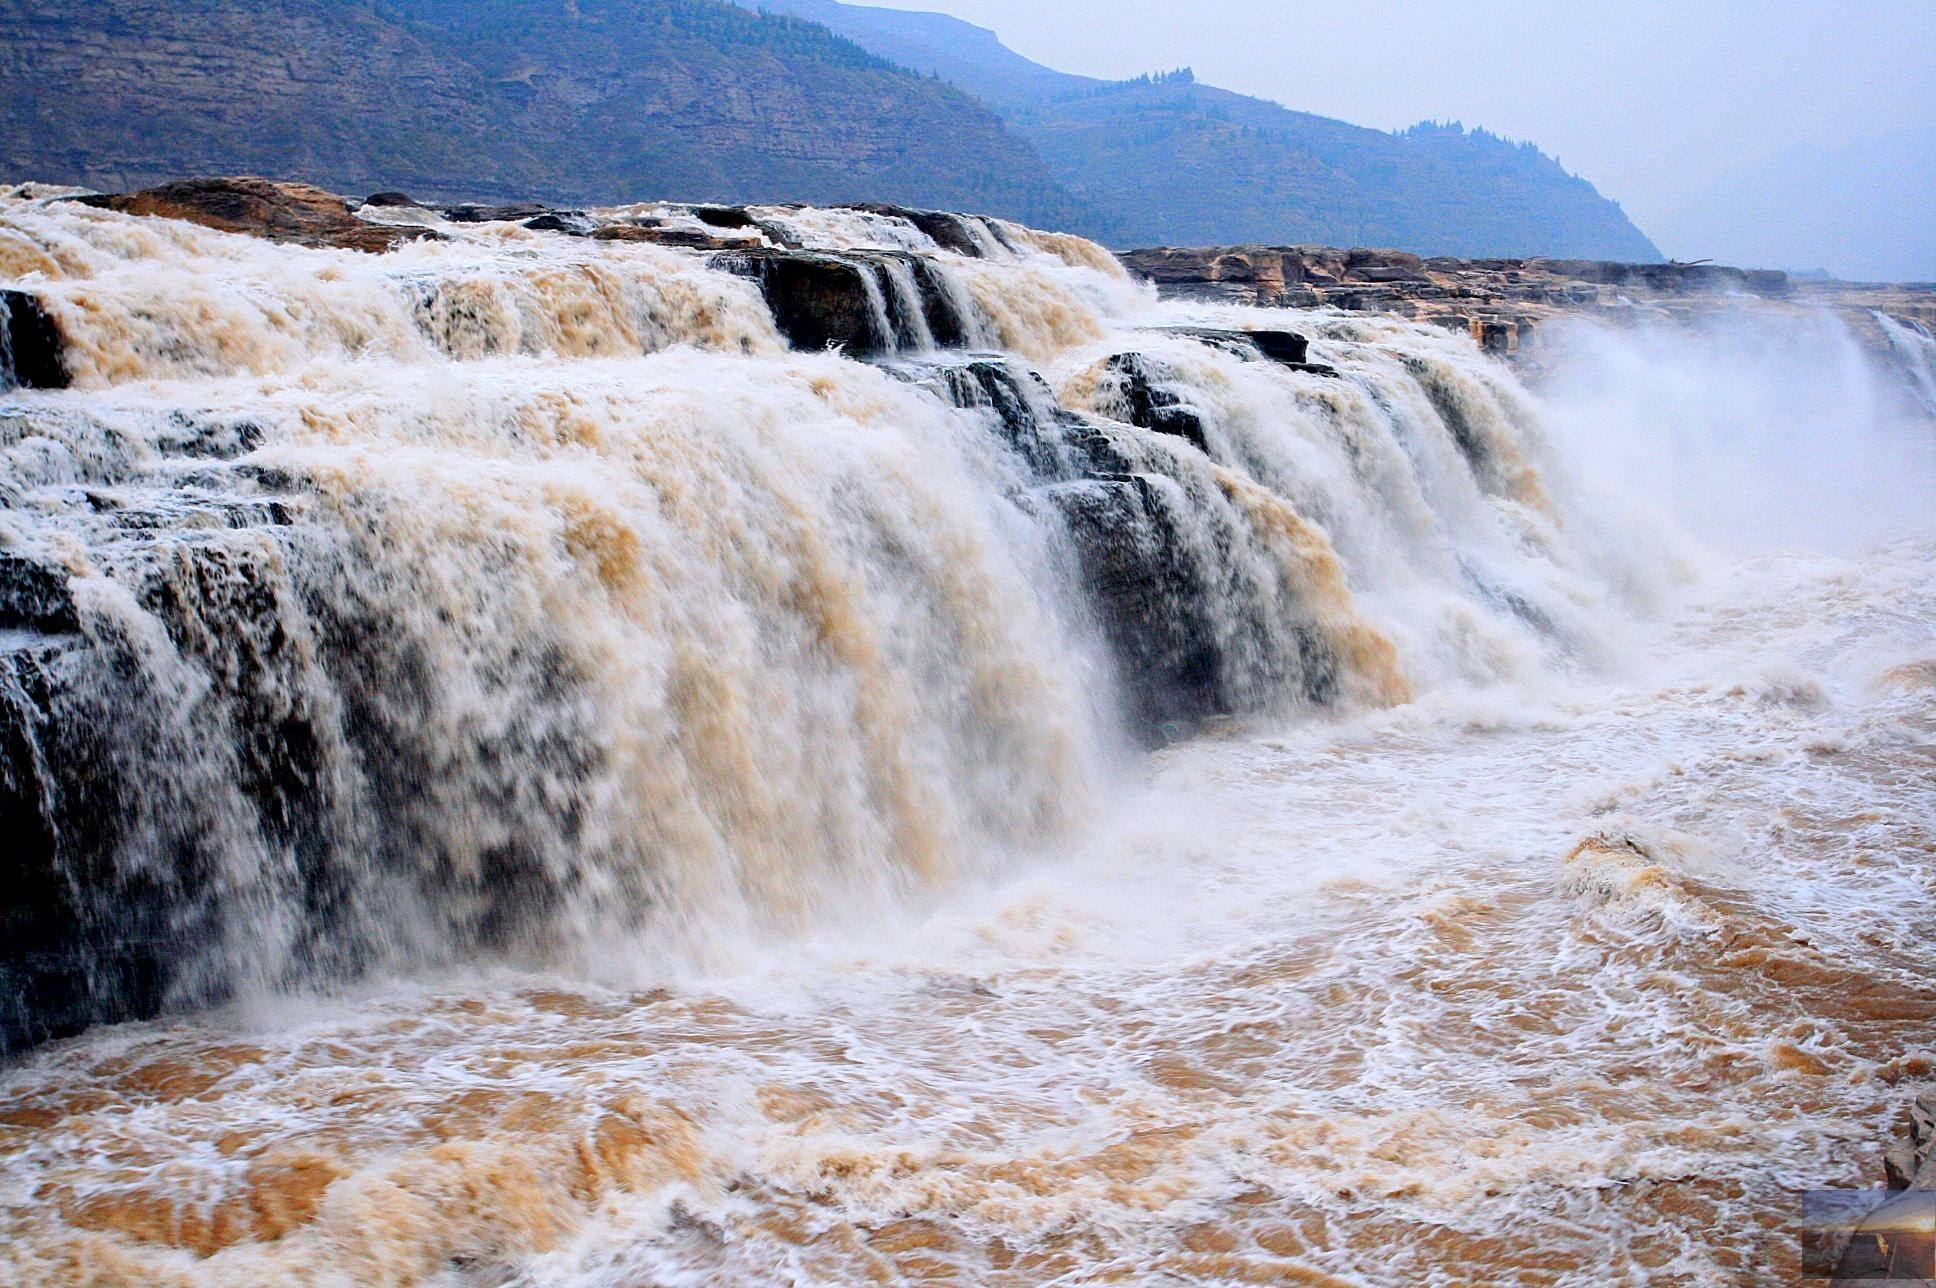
(970, 56)
(573, 99)
(1175, 161)
(1185, 164)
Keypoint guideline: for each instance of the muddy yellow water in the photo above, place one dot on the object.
(1576, 983)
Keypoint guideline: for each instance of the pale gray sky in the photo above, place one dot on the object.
(1652, 100)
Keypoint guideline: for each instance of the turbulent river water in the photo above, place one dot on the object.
(721, 845)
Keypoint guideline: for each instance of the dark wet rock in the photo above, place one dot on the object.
(947, 230)
(1236, 343)
(114, 878)
(34, 596)
(572, 223)
(742, 219)
(1282, 346)
(32, 351)
(296, 213)
(65, 965)
(723, 216)
(1285, 347)
(1163, 570)
(819, 301)
(515, 213)
(1150, 599)
(391, 200)
(1019, 401)
(907, 313)
(111, 869)
(945, 323)
(850, 300)
(220, 438)
(1140, 390)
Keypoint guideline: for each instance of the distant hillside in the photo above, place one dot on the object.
(969, 56)
(1182, 164)
(1171, 161)
(582, 100)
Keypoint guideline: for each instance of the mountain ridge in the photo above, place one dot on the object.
(595, 100)
(1174, 161)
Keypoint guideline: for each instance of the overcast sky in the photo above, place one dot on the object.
(1652, 101)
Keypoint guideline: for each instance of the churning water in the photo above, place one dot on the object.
(626, 803)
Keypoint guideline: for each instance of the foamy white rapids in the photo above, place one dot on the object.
(151, 298)
(636, 805)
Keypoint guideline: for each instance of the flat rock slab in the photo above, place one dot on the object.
(294, 213)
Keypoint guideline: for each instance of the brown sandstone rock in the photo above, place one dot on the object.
(1501, 303)
(297, 213)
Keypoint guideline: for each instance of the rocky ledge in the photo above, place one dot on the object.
(1503, 302)
(295, 213)
(1909, 1163)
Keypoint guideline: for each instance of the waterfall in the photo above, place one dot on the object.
(518, 595)
(1745, 430)
(1917, 349)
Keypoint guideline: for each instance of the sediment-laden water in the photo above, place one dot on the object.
(597, 795)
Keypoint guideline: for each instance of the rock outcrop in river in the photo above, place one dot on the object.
(1502, 302)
